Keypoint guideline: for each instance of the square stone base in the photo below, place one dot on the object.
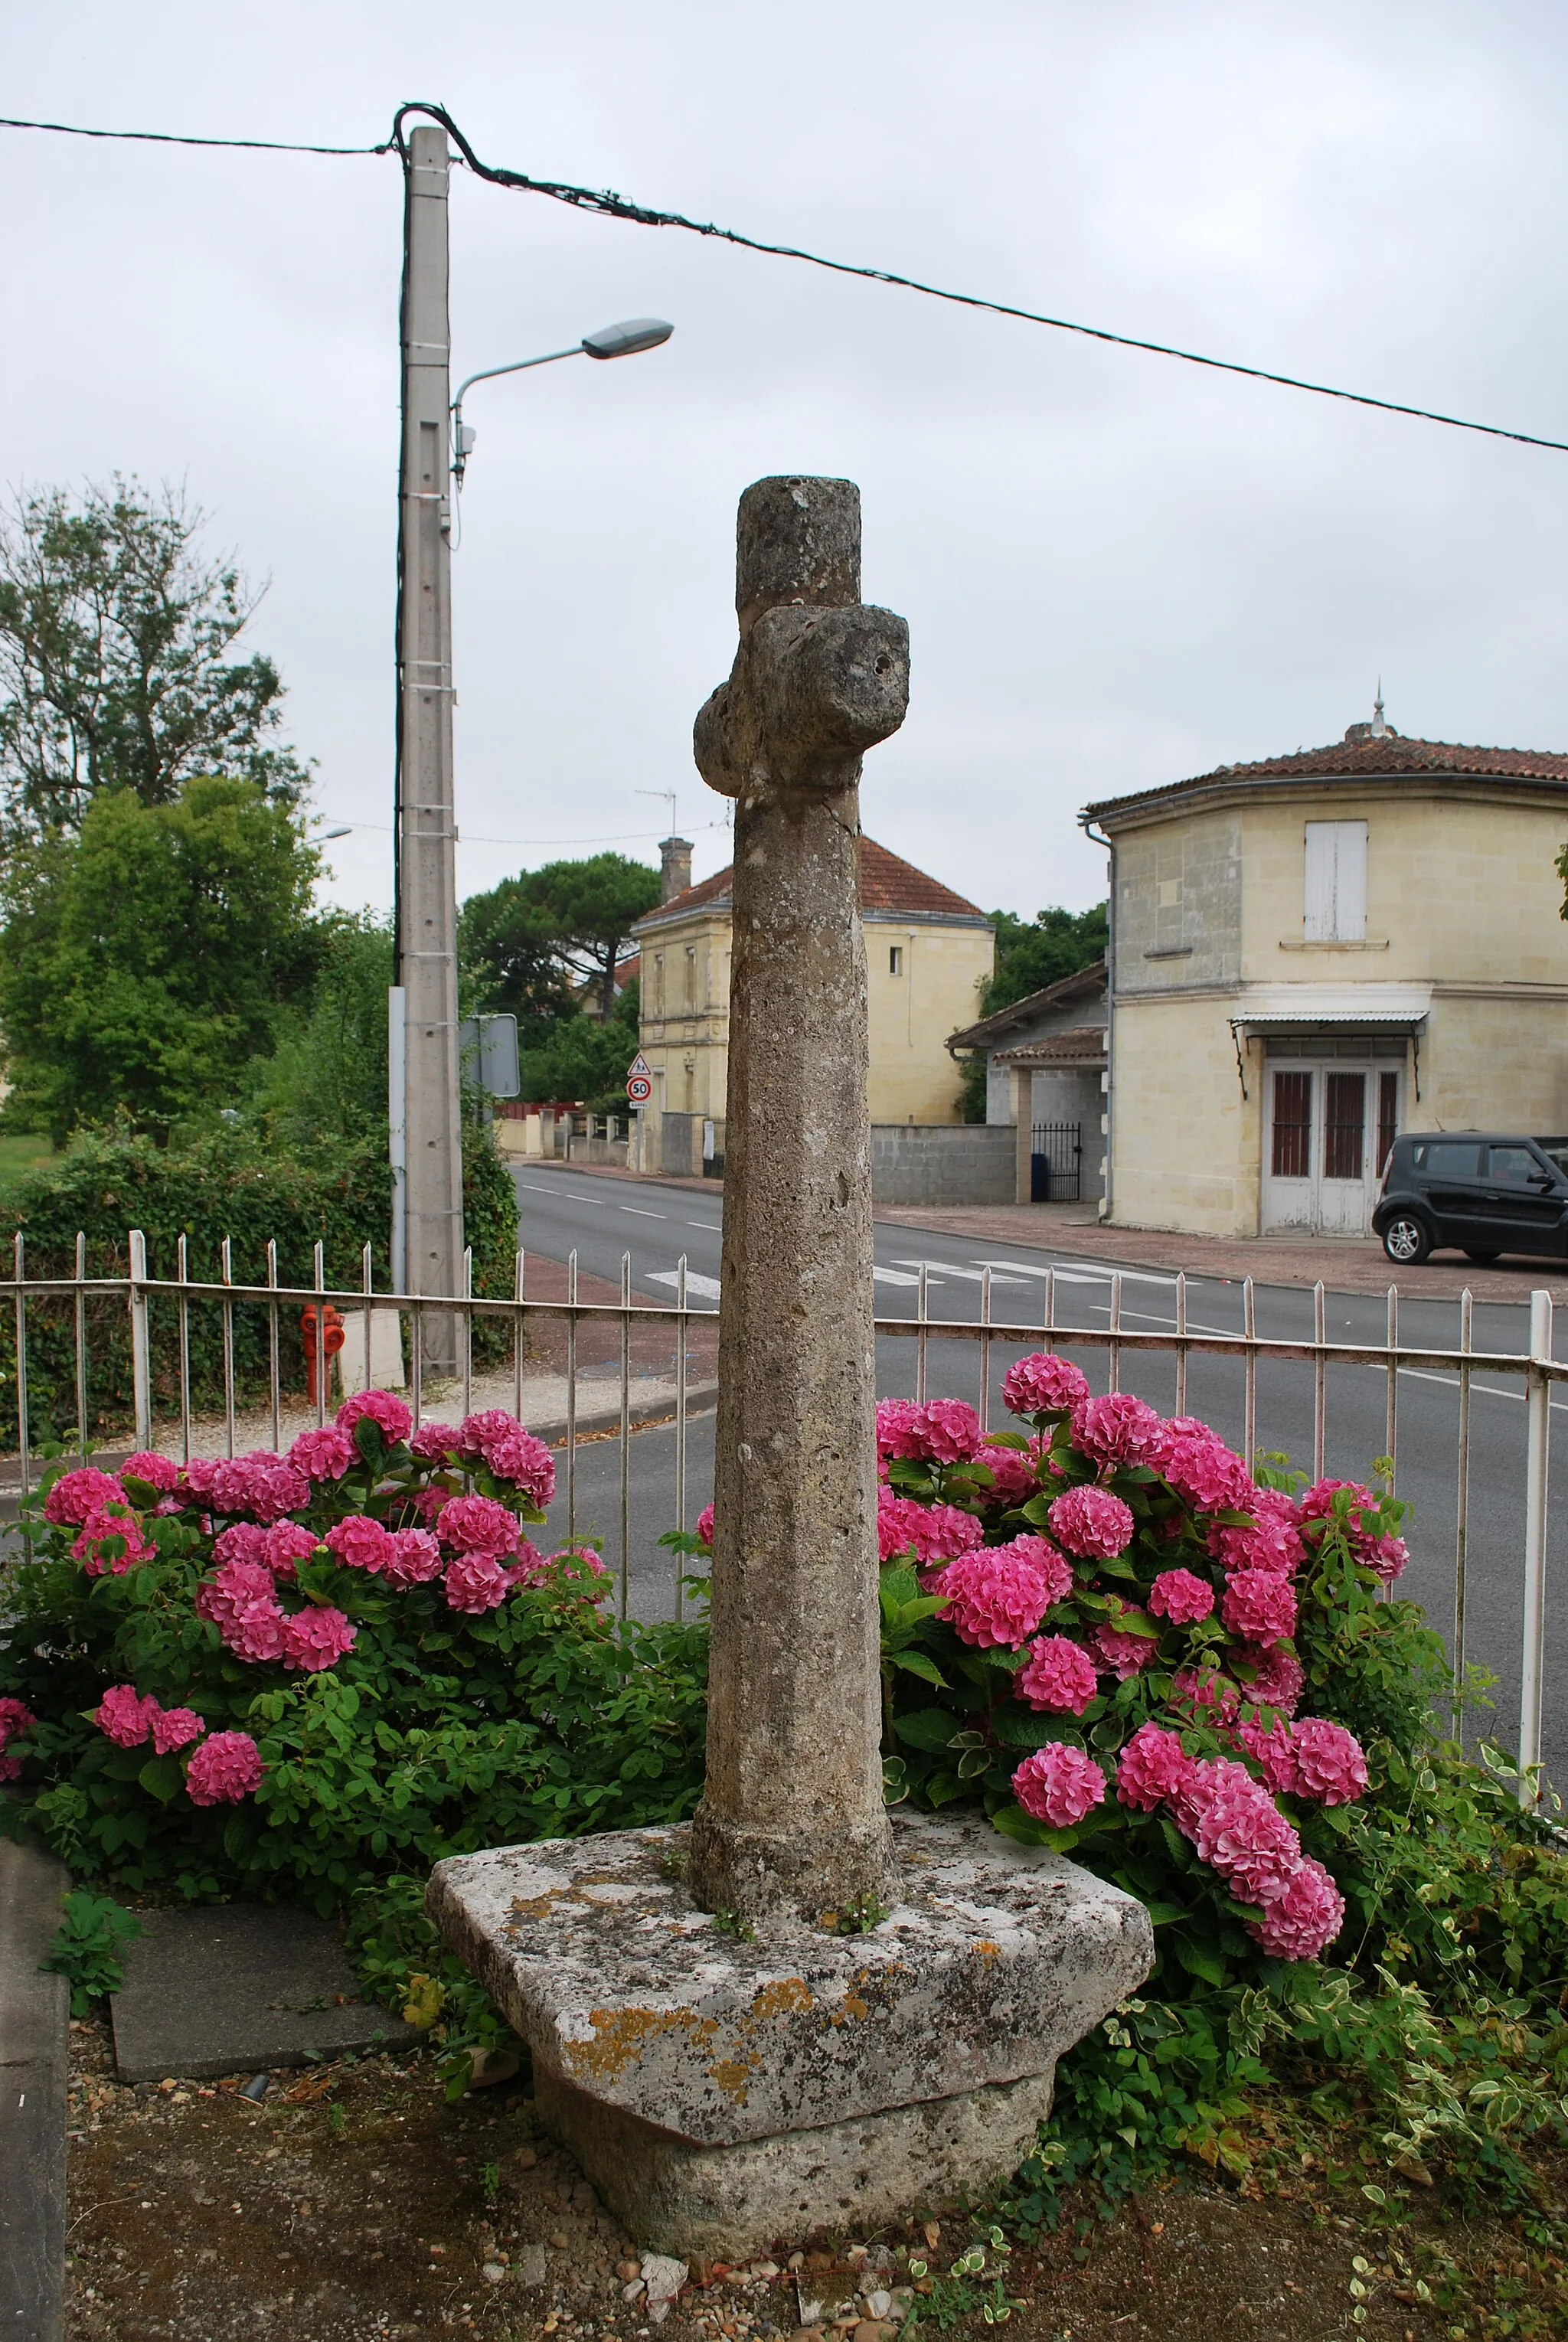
(734, 2202)
(725, 2091)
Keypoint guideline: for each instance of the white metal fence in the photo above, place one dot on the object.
(154, 1319)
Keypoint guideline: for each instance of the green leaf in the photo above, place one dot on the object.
(915, 1663)
(162, 1777)
(1012, 1822)
(926, 1727)
(1199, 1960)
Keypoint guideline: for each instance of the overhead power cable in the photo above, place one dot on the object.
(610, 206)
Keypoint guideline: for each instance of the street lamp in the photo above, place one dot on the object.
(422, 1047)
(622, 341)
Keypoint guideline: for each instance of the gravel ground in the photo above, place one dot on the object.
(353, 2203)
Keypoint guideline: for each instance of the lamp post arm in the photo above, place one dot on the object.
(488, 373)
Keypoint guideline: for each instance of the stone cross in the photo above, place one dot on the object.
(792, 1821)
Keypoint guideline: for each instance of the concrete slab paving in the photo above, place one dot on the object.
(34, 2011)
(244, 1986)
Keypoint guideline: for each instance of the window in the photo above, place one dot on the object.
(658, 986)
(895, 959)
(1335, 910)
(691, 978)
(1387, 1117)
(1447, 1159)
(1344, 1125)
(1513, 1167)
(1292, 1157)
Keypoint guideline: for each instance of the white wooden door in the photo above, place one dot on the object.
(1328, 1131)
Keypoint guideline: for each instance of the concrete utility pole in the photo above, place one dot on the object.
(427, 882)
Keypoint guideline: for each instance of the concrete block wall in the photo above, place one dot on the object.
(938, 1163)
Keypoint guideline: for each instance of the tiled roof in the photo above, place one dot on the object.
(1364, 755)
(890, 888)
(1081, 1045)
(1003, 1021)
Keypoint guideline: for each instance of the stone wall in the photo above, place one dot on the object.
(937, 1163)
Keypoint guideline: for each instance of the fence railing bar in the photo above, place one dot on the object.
(468, 1330)
(226, 1266)
(1537, 1460)
(519, 1337)
(922, 1313)
(367, 1287)
(23, 1441)
(1320, 1381)
(1250, 1392)
(181, 1262)
(983, 1409)
(141, 1361)
(1180, 1342)
(1390, 1426)
(626, 1432)
(416, 1363)
(1461, 1525)
(323, 1361)
(83, 1438)
(1051, 1307)
(681, 1329)
(572, 1395)
(1115, 1330)
(274, 1364)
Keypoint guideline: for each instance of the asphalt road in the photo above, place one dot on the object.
(654, 1223)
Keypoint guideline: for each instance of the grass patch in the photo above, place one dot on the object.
(23, 1152)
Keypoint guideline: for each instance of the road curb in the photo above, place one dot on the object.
(34, 2050)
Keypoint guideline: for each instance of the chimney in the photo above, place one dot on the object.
(675, 868)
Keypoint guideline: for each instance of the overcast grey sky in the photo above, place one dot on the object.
(1117, 570)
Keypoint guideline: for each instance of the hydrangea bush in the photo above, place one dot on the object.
(1104, 1626)
(293, 1674)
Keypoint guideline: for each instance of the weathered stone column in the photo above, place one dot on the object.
(793, 1816)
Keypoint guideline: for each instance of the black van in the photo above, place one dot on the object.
(1486, 1192)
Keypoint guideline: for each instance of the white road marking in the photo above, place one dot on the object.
(640, 1214)
(949, 1268)
(1086, 1273)
(896, 1277)
(712, 1226)
(706, 1288)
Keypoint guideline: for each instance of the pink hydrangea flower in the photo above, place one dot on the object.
(10, 1768)
(584, 1570)
(1117, 1430)
(15, 1720)
(198, 1474)
(1317, 1505)
(76, 1495)
(1205, 1692)
(242, 1541)
(1059, 1677)
(160, 1472)
(1044, 1384)
(1180, 1598)
(899, 1429)
(316, 1638)
(1199, 1467)
(705, 1525)
(323, 1454)
(415, 1559)
(511, 1453)
(435, 1443)
(1041, 1555)
(384, 1408)
(1151, 1768)
(125, 1716)
(1012, 1476)
(240, 1599)
(951, 1431)
(263, 1485)
(175, 1728)
(478, 1525)
(933, 1533)
(1330, 1765)
(360, 1543)
(1273, 1543)
(1238, 1830)
(475, 1582)
(1272, 1752)
(1059, 1785)
(1386, 1557)
(530, 1569)
(1304, 1920)
(257, 1633)
(1091, 1523)
(287, 1545)
(226, 1767)
(1259, 1608)
(1280, 1680)
(113, 1534)
(996, 1596)
(1122, 1653)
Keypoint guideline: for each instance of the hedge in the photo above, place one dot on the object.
(229, 1184)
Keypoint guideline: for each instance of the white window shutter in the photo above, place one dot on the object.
(1335, 902)
(1318, 919)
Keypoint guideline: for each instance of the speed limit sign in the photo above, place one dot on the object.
(639, 1080)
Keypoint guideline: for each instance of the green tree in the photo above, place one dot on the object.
(116, 673)
(325, 1079)
(586, 1058)
(533, 937)
(1030, 955)
(144, 960)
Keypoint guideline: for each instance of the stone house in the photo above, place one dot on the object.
(928, 954)
(1311, 953)
(1046, 1075)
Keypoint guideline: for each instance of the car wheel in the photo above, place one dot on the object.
(1405, 1240)
(1482, 1259)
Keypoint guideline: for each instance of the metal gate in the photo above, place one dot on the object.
(1056, 1158)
